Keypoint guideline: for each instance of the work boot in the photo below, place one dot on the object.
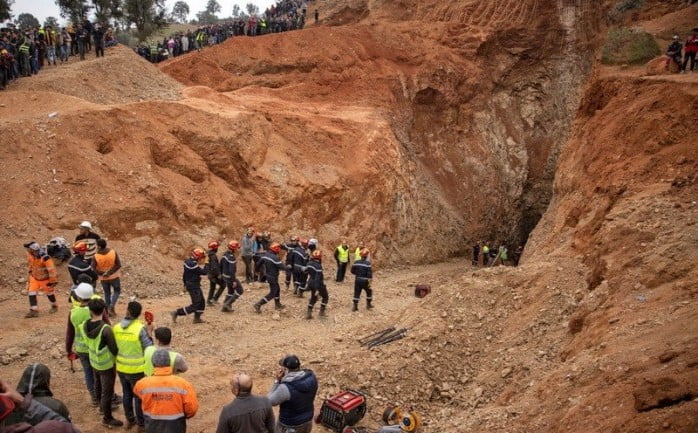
(54, 309)
(355, 307)
(198, 319)
(227, 308)
(31, 314)
(309, 314)
(278, 305)
(112, 422)
(174, 316)
(368, 304)
(323, 313)
(258, 307)
(210, 303)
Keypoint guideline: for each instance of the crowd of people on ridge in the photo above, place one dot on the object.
(25, 53)
(689, 49)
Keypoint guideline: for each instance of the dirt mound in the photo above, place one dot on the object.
(120, 77)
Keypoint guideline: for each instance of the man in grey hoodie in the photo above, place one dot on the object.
(247, 250)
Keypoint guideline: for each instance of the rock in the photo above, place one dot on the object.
(667, 356)
(506, 372)
(21, 280)
(660, 392)
(477, 392)
(613, 320)
(276, 316)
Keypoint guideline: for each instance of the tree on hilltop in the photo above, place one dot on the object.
(73, 10)
(6, 9)
(51, 22)
(27, 21)
(252, 9)
(146, 15)
(180, 11)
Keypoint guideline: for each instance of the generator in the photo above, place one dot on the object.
(342, 410)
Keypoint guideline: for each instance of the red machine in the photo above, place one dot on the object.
(342, 410)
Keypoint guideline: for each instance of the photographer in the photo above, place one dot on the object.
(294, 392)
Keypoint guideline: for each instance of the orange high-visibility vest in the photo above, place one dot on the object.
(41, 268)
(105, 262)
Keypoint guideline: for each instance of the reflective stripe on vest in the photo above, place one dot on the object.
(148, 368)
(130, 358)
(100, 359)
(343, 254)
(78, 316)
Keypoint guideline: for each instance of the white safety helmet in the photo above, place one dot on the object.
(84, 291)
(312, 242)
(85, 225)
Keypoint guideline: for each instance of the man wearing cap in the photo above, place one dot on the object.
(168, 400)
(132, 338)
(42, 278)
(89, 237)
(247, 413)
(294, 392)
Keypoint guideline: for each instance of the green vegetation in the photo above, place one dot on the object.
(629, 46)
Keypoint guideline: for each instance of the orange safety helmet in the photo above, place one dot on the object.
(317, 255)
(212, 245)
(304, 242)
(275, 247)
(364, 252)
(80, 247)
(198, 253)
(233, 245)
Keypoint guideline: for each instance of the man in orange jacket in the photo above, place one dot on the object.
(167, 400)
(42, 278)
(108, 266)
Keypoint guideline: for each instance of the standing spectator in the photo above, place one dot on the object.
(36, 380)
(247, 413)
(248, 248)
(517, 255)
(98, 36)
(690, 51)
(163, 338)
(132, 339)
(294, 392)
(83, 38)
(317, 16)
(108, 266)
(168, 400)
(99, 338)
(341, 256)
(51, 41)
(476, 253)
(674, 51)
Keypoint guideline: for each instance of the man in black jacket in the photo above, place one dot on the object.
(228, 274)
(272, 264)
(214, 274)
(194, 268)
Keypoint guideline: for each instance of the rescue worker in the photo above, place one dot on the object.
(364, 274)
(248, 246)
(485, 254)
(168, 400)
(42, 278)
(108, 265)
(228, 273)
(476, 253)
(494, 251)
(194, 268)
(316, 284)
(261, 247)
(99, 338)
(86, 234)
(132, 338)
(163, 339)
(79, 265)
(517, 255)
(298, 259)
(341, 256)
(312, 244)
(272, 265)
(357, 251)
(288, 247)
(214, 272)
(294, 391)
(75, 344)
